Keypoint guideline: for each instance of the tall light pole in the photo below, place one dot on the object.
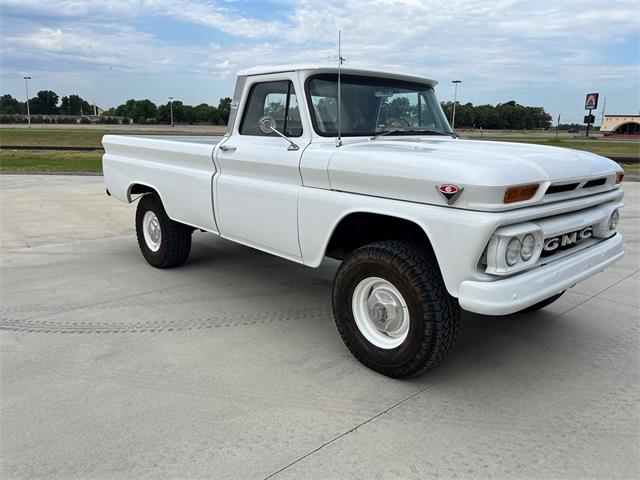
(171, 109)
(26, 85)
(455, 100)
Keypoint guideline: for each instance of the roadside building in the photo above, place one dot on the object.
(97, 110)
(621, 126)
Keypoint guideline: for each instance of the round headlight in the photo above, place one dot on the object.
(513, 252)
(613, 220)
(528, 246)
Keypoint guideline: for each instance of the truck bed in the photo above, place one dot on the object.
(179, 167)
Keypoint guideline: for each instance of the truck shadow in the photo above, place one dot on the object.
(484, 341)
(224, 285)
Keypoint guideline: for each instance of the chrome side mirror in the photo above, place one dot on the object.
(267, 125)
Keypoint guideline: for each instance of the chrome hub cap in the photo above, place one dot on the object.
(380, 312)
(151, 231)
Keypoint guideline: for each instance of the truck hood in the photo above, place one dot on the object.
(410, 168)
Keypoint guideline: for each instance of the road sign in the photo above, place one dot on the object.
(591, 102)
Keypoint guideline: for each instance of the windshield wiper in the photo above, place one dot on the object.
(429, 132)
(412, 132)
(386, 132)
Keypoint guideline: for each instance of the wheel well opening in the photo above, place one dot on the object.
(359, 229)
(139, 189)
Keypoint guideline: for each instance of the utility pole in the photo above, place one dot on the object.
(604, 105)
(455, 100)
(558, 126)
(26, 85)
(171, 109)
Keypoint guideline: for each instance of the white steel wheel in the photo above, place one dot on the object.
(380, 313)
(163, 242)
(151, 231)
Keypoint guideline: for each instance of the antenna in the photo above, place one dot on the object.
(340, 60)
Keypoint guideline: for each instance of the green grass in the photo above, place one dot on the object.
(601, 147)
(33, 162)
(52, 138)
(79, 137)
(631, 167)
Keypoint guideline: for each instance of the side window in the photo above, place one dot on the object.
(277, 100)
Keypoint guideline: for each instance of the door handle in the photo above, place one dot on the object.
(228, 148)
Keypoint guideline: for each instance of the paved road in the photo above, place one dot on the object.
(230, 366)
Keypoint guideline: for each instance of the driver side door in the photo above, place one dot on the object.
(257, 189)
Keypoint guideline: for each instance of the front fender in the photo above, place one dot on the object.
(458, 237)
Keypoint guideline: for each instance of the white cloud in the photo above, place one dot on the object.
(513, 45)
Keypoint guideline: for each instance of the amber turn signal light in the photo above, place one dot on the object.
(619, 177)
(520, 193)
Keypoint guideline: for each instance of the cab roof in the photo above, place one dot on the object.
(316, 68)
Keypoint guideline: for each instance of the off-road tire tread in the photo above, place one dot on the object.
(420, 267)
(176, 237)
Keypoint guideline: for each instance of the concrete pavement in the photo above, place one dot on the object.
(231, 367)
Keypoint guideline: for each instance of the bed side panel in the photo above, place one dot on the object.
(181, 172)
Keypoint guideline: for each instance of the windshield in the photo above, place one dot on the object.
(373, 105)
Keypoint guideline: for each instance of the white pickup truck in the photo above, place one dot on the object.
(362, 166)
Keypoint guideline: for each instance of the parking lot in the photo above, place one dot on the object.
(231, 366)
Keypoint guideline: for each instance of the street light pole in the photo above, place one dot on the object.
(455, 100)
(171, 109)
(26, 85)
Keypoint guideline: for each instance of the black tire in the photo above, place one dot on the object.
(542, 304)
(434, 314)
(175, 243)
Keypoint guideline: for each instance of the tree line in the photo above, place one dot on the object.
(503, 116)
(47, 102)
(145, 111)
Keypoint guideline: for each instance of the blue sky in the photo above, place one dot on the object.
(537, 52)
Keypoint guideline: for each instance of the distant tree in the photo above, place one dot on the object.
(399, 107)
(275, 110)
(465, 115)
(179, 112)
(75, 105)
(9, 105)
(188, 114)
(224, 109)
(539, 118)
(164, 114)
(141, 111)
(44, 103)
(206, 113)
(145, 111)
(509, 115)
(486, 116)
